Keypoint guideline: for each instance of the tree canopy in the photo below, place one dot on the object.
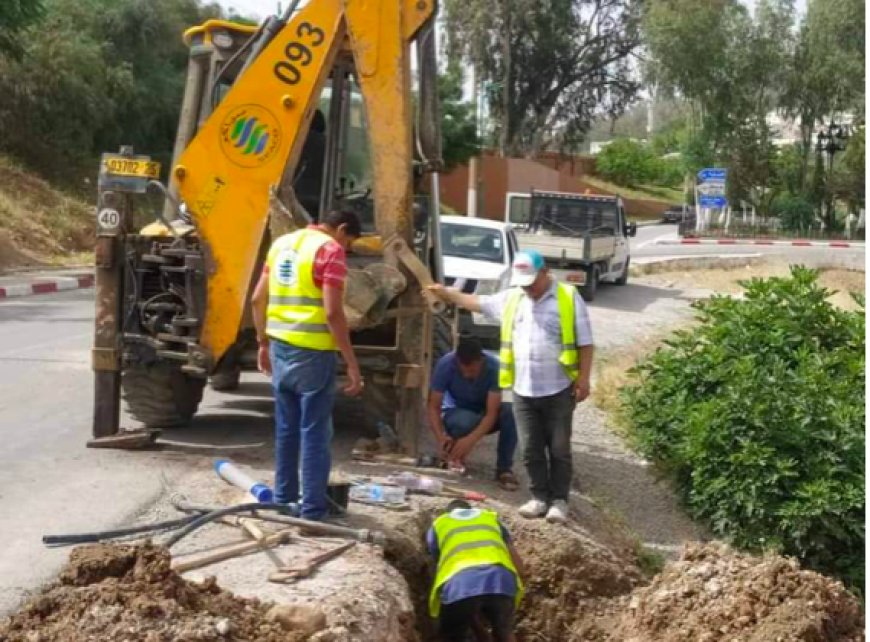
(550, 66)
(735, 69)
(15, 16)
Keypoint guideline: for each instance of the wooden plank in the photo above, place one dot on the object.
(233, 550)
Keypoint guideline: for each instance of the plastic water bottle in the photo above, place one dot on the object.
(377, 493)
(228, 472)
(393, 494)
(412, 481)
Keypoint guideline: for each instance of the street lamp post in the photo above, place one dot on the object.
(831, 139)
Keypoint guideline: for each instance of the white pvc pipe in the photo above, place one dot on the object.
(229, 473)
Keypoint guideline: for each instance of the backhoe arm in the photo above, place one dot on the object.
(258, 130)
(224, 175)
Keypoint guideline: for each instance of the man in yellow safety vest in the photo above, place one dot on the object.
(478, 579)
(546, 358)
(300, 322)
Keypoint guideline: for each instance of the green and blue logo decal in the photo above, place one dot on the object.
(250, 136)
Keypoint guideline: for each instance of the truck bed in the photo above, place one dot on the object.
(572, 249)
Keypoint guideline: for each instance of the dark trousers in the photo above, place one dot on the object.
(544, 424)
(496, 611)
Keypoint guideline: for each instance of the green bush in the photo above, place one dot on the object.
(626, 162)
(630, 163)
(794, 210)
(667, 172)
(758, 414)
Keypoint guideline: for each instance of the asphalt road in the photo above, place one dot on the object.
(50, 483)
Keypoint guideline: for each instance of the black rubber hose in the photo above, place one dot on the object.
(203, 519)
(84, 538)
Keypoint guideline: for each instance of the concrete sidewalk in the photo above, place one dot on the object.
(45, 281)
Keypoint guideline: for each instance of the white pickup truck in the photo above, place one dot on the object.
(582, 237)
(477, 254)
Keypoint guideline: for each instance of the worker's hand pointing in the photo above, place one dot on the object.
(439, 291)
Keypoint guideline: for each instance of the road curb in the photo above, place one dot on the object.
(47, 285)
(794, 243)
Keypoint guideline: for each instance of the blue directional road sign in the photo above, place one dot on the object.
(717, 202)
(713, 174)
(711, 187)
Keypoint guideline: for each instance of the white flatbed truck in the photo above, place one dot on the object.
(582, 237)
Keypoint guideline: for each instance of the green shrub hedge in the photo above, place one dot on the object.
(758, 415)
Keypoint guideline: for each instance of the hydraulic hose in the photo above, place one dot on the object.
(322, 528)
(84, 538)
(205, 518)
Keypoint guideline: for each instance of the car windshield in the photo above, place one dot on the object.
(468, 242)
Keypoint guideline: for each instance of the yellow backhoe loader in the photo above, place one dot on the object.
(280, 123)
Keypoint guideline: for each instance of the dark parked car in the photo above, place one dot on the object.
(675, 214)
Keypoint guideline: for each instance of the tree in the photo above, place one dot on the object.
(14, 17)
(826, 70)
(551, 66)
(730, 66)
(690, 43)
(91, 77)
(848, 176)
(458, 126)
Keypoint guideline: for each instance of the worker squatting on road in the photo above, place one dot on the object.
(479, 574)
(300, 324)
(465, 405)
(546, 358)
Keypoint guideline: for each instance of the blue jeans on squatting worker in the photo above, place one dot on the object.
(304, 385)
(458, 422)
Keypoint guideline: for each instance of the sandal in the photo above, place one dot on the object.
(507, 481)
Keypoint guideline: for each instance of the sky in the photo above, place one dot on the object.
(254, 8)
(261, 8)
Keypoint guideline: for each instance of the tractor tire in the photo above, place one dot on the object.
(593, 274)
(623, 278)
(160, 395)
(227, 379)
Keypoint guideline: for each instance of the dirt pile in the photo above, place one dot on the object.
(714, 593)
(129, 593)
(570, 578)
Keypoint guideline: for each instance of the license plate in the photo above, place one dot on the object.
(578, 278)
(120, 166)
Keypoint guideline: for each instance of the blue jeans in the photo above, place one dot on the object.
(458, 422)
(304, 385)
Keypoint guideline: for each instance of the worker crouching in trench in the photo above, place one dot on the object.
(479, 575)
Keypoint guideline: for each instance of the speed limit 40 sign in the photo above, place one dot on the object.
(108, 219)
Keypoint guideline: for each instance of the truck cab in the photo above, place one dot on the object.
(477, 256)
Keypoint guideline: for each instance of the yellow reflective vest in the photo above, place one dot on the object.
(567, 357)
(464, 543)
(296, 314)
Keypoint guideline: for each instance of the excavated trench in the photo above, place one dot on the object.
(571, 575)
(581, 591)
